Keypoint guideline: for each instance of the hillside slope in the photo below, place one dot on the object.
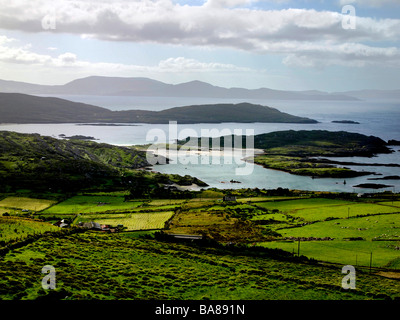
(37, 162)
(22, 108)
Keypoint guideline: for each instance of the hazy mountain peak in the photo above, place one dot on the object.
(139, 86)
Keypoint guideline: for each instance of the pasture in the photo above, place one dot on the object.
(132, 221)
(23, 203)
(92, 204)
(355, 253)
(12, 228)
(319, 209)
(133, 267)
(119, 267)
(358, 230)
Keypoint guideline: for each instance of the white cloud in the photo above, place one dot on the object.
(348, 54)
(182, 64)
(297, 34)
(24, 55)
(370, 3)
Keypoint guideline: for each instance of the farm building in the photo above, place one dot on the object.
(61, 224)
(108, 228)
(101, 227)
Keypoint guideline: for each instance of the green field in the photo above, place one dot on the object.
(318, 209)
(370, 228)
(92, 204)
(291, 206)
(22, 203)
(356, 253)
(357, 230)
(132, 222)
(127, 266)
(12, 228)
(101, 266)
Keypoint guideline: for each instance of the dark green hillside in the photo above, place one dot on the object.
(101, 267)
(22, 108)
(320, 143)
(293, 151)
(32, 161)
(312, 143)
(45, 164)
(217, 113)
(296, 151)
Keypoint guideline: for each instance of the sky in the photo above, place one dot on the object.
(338, 45)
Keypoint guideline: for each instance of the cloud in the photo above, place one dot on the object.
(182, 64)
(348, 54)
(24, 55)
(370, 3)
(296, 34)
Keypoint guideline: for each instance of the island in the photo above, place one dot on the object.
(386, 178)
(345, 121)
(372, 186)
(297, 152)
(22, 108)
(393, 142)
(77, 137)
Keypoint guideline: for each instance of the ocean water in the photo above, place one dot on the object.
(378, 118)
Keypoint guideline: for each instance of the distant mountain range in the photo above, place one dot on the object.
(23, 108)
(118, 86)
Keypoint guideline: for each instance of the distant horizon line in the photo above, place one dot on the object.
(203, 82)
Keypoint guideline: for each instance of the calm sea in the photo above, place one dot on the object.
(376, 118)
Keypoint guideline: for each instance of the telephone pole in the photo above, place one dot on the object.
(370, 262)
(298, 248)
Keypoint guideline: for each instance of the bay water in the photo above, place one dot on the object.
(377, 118)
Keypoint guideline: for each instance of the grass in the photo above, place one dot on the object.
(119, 267)
(132, 222)
(265, 199)
(343, 211)
(318, 209)
(128, 266)
(165, 202)
(370, 228)
(340, 250)
(92, 204)
(356, 253)
(290, 206)
(12, 228)
(296, 165)
(25, 203)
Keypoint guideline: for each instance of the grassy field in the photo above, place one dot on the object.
(21, 203)
(127, 266)
(19, 228)
(317, 209)
(356, 253)
(344, 222)
(119, 267)
(369, 228)
(132, 222)
(92, 204)
(291, 206)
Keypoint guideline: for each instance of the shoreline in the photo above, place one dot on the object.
(234, 152)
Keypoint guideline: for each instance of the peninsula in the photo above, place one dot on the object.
(22, 108)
